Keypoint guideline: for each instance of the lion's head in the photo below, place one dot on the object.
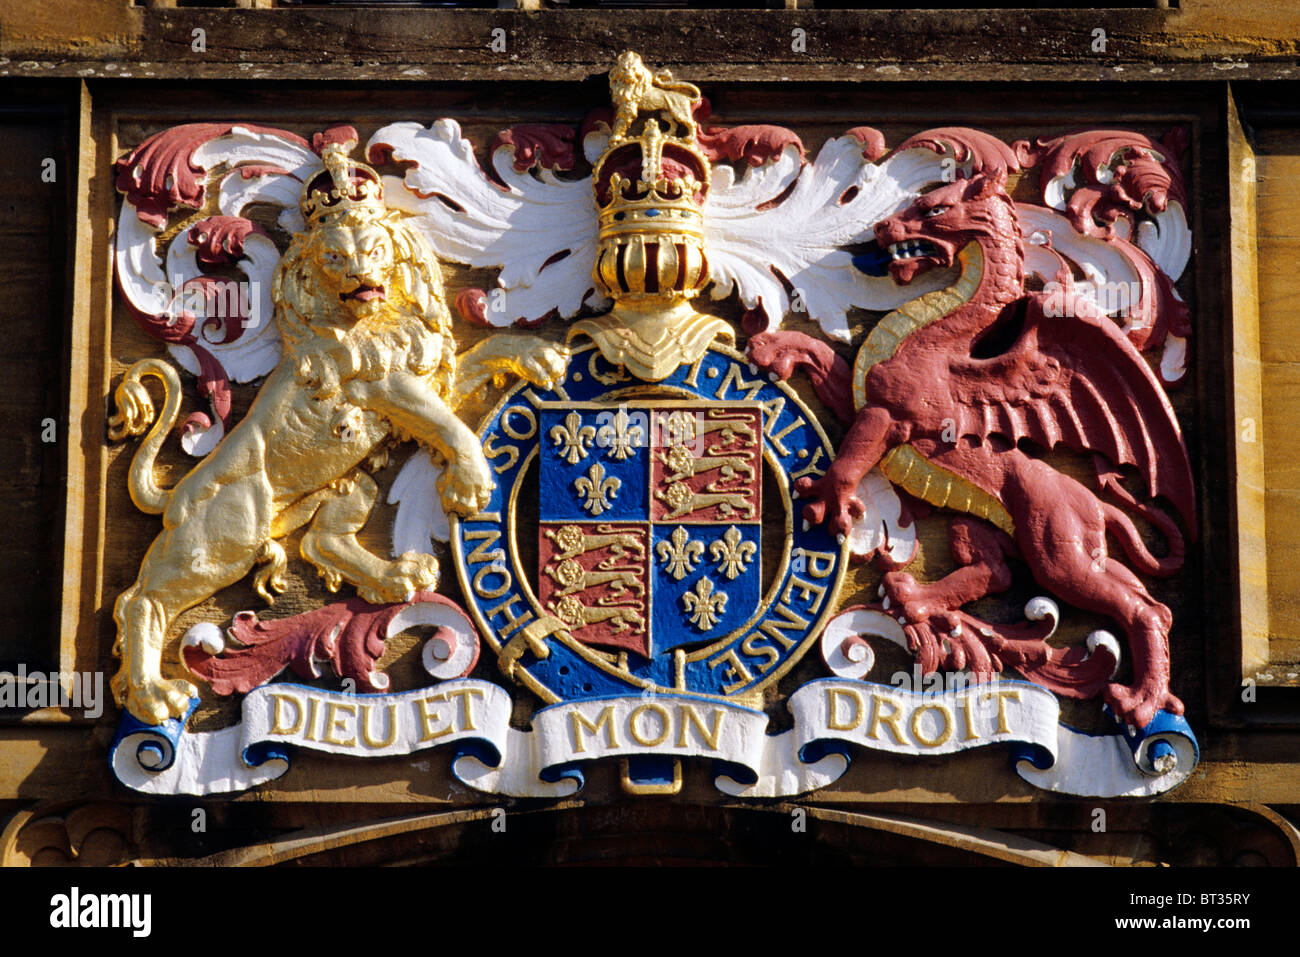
(630, 79)
(369, 272)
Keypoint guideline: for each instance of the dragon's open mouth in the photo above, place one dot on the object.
(364, 293)
(913, 249)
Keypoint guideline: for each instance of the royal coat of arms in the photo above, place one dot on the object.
(665, 526)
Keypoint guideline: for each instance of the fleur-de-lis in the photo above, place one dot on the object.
(705, 606)
(732, 554)
(573, 438)
(596, 490)
(621, 437)
(680, 557)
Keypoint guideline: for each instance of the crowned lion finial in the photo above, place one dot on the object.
(635, 90)
(651, 182)
(650, 185)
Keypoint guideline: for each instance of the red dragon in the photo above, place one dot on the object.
(950, 395)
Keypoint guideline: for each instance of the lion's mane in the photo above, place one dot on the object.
(414, 327)
(630, 79)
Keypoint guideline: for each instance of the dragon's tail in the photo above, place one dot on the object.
(134, 413)
(1121, 526)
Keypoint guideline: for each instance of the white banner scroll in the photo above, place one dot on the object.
(829, 715)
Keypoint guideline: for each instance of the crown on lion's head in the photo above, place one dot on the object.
(360, 264)
(344, 185)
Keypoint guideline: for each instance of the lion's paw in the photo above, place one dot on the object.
(466, 485)
(544, 364)
(156, 699)
(402, 578)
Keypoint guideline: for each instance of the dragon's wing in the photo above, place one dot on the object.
(787, 222)
(1112, 208)
(1079, 382)
(540, 229)
(1125, 280)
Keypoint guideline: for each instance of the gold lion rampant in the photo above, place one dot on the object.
(635, 89)
(368, 361)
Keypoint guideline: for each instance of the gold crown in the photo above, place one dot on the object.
(344, 186)
(650, 185)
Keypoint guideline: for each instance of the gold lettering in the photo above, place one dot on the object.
(833, 696)
(772, 410)
(616, 373)
(1002, 697)
(805, 590)
(334, 711)
(310, 731)
(528, 415)
(793, 622)
(818, 564)
(492, 451)
(754, 646)
(890, 720)
(483, 592)
(479, 554)
(969, 719)
(665, 723)
(776, 439)
(536, 400)
(689, 716)
(513, 622)
(466, 696)
(811, 468)
(366, 738)
(278, 726)
(916, 725)
(733, 376)
(605, 719)
(428, 732)
(736, 671)
(692, 378)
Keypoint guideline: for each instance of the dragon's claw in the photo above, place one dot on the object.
(1137, 706)
(913, 599)
(766, 352)
(832, 502)
(940, 642)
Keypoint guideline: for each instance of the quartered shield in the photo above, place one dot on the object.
(650, 521)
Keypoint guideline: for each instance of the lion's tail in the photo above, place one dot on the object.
(134, 413)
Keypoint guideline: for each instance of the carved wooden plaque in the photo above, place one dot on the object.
(650, 441)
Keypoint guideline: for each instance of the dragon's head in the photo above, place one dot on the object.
(939, 224)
